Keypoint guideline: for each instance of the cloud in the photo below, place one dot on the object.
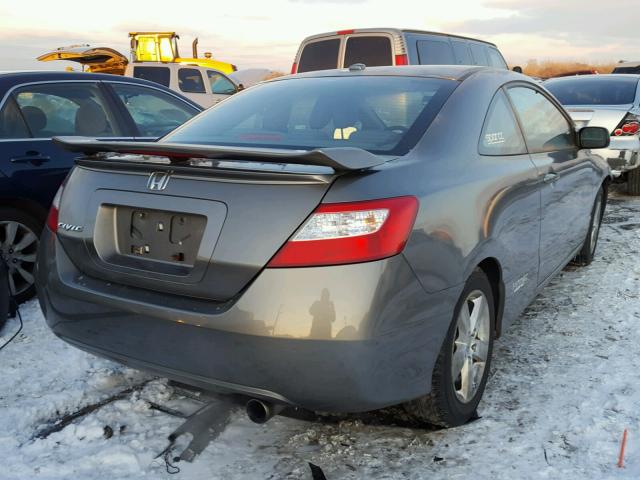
(343, 2)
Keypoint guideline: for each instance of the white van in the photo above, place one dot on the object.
(391, 46)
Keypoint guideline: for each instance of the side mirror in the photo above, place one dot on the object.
(517, 69)
(594, 137)
(240, 87)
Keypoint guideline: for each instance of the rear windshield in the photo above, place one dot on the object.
(594, 90)
(380, 114)
(321, 55)
(372, 51)
(626, 69)
(154, 74)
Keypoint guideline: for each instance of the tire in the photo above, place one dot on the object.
(444, 405)
(587, 254)
(19, 229)
(633, 181)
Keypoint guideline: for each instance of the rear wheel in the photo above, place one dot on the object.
(462, 368)
(19, 234)
(586, 255)
(633, 181)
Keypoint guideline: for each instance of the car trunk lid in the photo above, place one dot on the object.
(202, 222)
(608, 116)
(97, 59)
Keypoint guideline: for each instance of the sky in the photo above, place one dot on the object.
(255, 33)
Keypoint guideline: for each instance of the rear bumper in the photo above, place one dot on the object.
(280, 340)
(623, 154)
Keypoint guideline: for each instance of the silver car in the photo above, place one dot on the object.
(612, 102)
(341, 240)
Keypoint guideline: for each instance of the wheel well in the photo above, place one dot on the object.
(491, 268)
(28, 206)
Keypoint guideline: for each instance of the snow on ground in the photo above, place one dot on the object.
(564, 385)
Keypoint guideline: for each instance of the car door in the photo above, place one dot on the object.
(221, 86)
(35, 165)
(566, 176)
(152, 111)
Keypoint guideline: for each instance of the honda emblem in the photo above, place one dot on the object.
(158, 181)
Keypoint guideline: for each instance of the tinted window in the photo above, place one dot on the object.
(501, 134)
(190, 81)
(495, 59)
(461, 52)
(594, 90)
(372, 51)
(11, 122)
(154, 113)
(220, 84)
(321, 55)
(159, 75)
(545, 128)
(65, 109)
(435, 52)
(379, 114)
(479, 55)
(627, 69)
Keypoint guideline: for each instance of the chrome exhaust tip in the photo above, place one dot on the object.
(260, 411)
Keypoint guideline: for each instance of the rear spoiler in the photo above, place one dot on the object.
(341, 159)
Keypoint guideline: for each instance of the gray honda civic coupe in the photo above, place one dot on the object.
(341, 240)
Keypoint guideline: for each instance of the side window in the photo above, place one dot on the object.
(190, 80)
(66, 109)
(479, 56)
(435, 52)
(321, 55)
(154, 112)
(495, 59)
(220, 85)
(11, 122)
(461, 52)
(160, 75)
(372, 51)
(501, 134)
(545, 127)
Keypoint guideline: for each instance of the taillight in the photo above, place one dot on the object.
(340, 233)
(402, 60)
(630, 125)
(52, 218)
(294, 68)
(345, 32)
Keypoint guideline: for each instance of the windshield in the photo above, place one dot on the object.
(381, 114)
(594, 90)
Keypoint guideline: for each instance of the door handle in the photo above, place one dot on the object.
(550, 177)
(31, 157)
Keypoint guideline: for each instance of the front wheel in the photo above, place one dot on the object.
(586, 255)
(462, 368)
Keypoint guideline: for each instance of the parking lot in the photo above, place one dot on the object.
(563, 387)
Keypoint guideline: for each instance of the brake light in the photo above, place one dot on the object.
(345, 32)
(341, 233)
(294, 68)
(402, 60)
(52, 218)
(630, 125)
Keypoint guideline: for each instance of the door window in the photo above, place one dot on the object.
(461, 52)
(320, 55)
(220, 85)
(501, 134)
(66, 109)
(435, 52)
(372, 51)
(545, 128)
(160, 75)
(12, 124)
(190, 81)
(154, 112)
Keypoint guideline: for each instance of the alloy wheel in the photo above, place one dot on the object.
(18, 248)
(470, 346)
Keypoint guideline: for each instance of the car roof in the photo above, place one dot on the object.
(628, 64)
(449, 72)
(396, 31)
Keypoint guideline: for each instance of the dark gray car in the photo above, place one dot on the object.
(341, 240)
